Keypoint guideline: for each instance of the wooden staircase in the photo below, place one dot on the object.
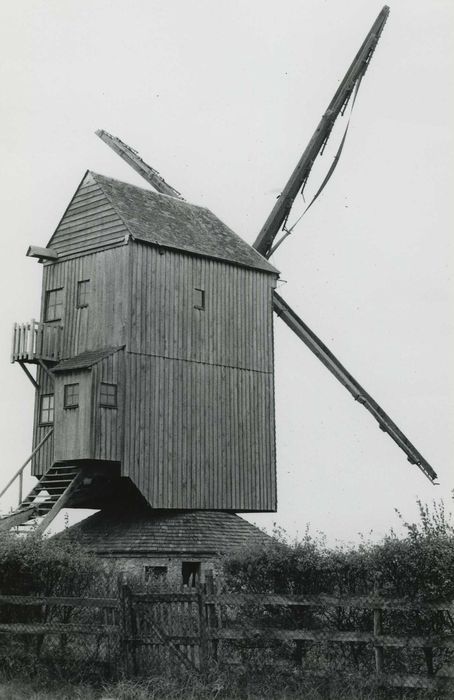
(45, 500)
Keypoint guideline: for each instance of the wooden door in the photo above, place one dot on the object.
(73, 416)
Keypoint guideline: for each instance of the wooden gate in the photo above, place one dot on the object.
(161, 629)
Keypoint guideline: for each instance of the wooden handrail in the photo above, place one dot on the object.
(36, 340)
(21, 469)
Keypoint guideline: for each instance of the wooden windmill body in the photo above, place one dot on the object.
(154, 353)
(176, 323)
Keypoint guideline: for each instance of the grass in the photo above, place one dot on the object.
(191, 688)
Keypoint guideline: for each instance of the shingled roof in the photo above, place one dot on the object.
(145, 531)
(169, 222)
(85, 359)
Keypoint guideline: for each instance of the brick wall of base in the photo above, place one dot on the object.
(174, 570)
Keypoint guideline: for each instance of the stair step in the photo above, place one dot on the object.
(27, 503)
(31, 497)
(59, 487)
(62, 470)
(45, 507)
(54, 485)
(46, 493)
(56, 478)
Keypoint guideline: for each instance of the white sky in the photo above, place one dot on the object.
(222, 97)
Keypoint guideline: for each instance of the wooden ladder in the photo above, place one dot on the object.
(45, 500)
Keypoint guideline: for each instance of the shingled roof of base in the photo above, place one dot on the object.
(169, 222)
(147, 531)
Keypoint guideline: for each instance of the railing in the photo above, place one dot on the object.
(20, 472)
(34, 341)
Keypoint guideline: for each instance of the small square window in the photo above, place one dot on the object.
(71, 396)
(46, 409)
(108, 395)
(198, 298)
(54, 305)
(155, 573)
(83, 288)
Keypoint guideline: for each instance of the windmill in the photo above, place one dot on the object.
(154, 354)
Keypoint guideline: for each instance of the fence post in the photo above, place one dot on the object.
(126, 641)
(211, 615)
(202, 630)
(378, 631)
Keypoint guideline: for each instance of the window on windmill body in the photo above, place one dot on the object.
(54, 304)
(108, 395)
(83, 288)
(71, 396)
(46, 409)
(198, 297)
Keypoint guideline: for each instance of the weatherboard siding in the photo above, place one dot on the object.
(199, 435)
(89, 223)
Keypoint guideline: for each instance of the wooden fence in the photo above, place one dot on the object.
(193, 627)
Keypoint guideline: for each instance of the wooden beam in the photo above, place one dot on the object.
(132, 158)
(322, 635)
(320, 350)
(29, 375)
(21, 469)
(60, 601)
(17, 518)
(58, 505)
(46, 370)
(278, 216)
(56, 628)
(41, 253)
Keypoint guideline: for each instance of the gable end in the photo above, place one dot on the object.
(89, 223)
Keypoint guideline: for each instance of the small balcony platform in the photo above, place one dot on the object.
(34, 342)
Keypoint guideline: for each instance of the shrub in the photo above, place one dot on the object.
(419, 565)
(48, 566)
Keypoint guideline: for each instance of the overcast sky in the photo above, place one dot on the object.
(221, 97)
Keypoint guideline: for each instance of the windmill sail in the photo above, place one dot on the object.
(135, 161)
(320, 350)
(350, 83)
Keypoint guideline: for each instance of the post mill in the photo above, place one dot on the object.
(154, 387)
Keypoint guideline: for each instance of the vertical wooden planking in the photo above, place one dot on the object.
(72, 433)
(102, 322)
(199, 427)
(44, 459)
(229, 331)
(196, 424)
